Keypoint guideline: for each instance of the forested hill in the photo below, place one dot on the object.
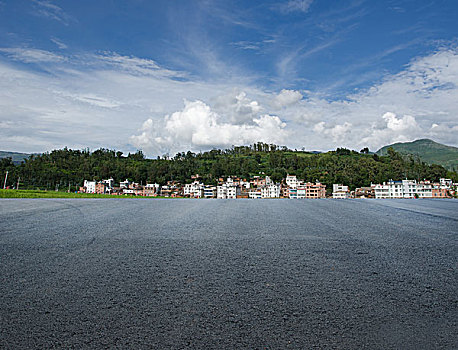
(428, 151)
(16, 157)
(61, 168)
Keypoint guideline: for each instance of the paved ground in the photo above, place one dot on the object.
(225, 274)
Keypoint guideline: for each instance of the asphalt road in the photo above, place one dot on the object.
(228, 274)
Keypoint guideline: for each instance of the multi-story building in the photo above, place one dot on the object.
(257, 181)
(396, 189)
(254, 193)
(194, 190)
(108, 183)
(151, 190)
(292, 193)
(227, 191)
(445, 183)
(270, 191)
(292, 181)
(244, 183)
(425, 189)
(210, 191)
(100, 188)
(311, 190)
(438, 192)
(340, 191)
(89, 186)
(124, 184)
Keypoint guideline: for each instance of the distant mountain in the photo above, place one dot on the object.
(16, 156)
(428, 151)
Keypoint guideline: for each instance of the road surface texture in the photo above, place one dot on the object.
(228, 274)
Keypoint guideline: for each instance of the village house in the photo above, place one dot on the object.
(292, 181)
(270, 191)
(194, 190)
(227, 190)
(340, 191)
(364, 192)
(89, 186)
(255, 193)
(412, 189)
(124, 184)
(311, 190)
(210, 191)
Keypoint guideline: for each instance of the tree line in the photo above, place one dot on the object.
(66, 168)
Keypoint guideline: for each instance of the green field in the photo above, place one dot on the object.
(54, 194)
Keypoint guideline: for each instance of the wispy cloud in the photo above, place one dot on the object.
(46, 8)
(59, 43)
(246, 45)
(296, 6)
(32, 55)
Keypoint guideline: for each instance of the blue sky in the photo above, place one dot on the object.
(166, 76)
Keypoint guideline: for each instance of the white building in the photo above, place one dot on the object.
(195, 189)
(292, 181)
(268, 181)
(90, 186)
(109, 183)
(270, 191)
(255, 193)
(340, 191)
(124, 184)
(446, 183)
(245, 184)
(227, 191)
(425, 189)
(396, 189)
(209, 191)
(153, 187)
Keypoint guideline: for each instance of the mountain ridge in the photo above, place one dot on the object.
(429, 151)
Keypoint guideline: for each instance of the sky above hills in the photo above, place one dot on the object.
(168, 76)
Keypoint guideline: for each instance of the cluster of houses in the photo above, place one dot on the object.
(264, 187)
(445, 188)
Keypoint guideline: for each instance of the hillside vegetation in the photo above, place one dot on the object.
(428, 151)
(64, 168)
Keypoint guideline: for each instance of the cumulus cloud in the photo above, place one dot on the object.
(394, 129)
(237, 107)
(286, 98)
(198, 126)
(400, 108)
(337, 132)
(101, 100)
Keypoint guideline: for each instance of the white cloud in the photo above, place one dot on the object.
(59, 43)
(237, 107)
(400, 124)
(394, 129)
(48, 9)
(102, 100)
(286, 98)
(426, 92)
(32, 55)
(198, 126)
(296, 5)
(338, 132)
